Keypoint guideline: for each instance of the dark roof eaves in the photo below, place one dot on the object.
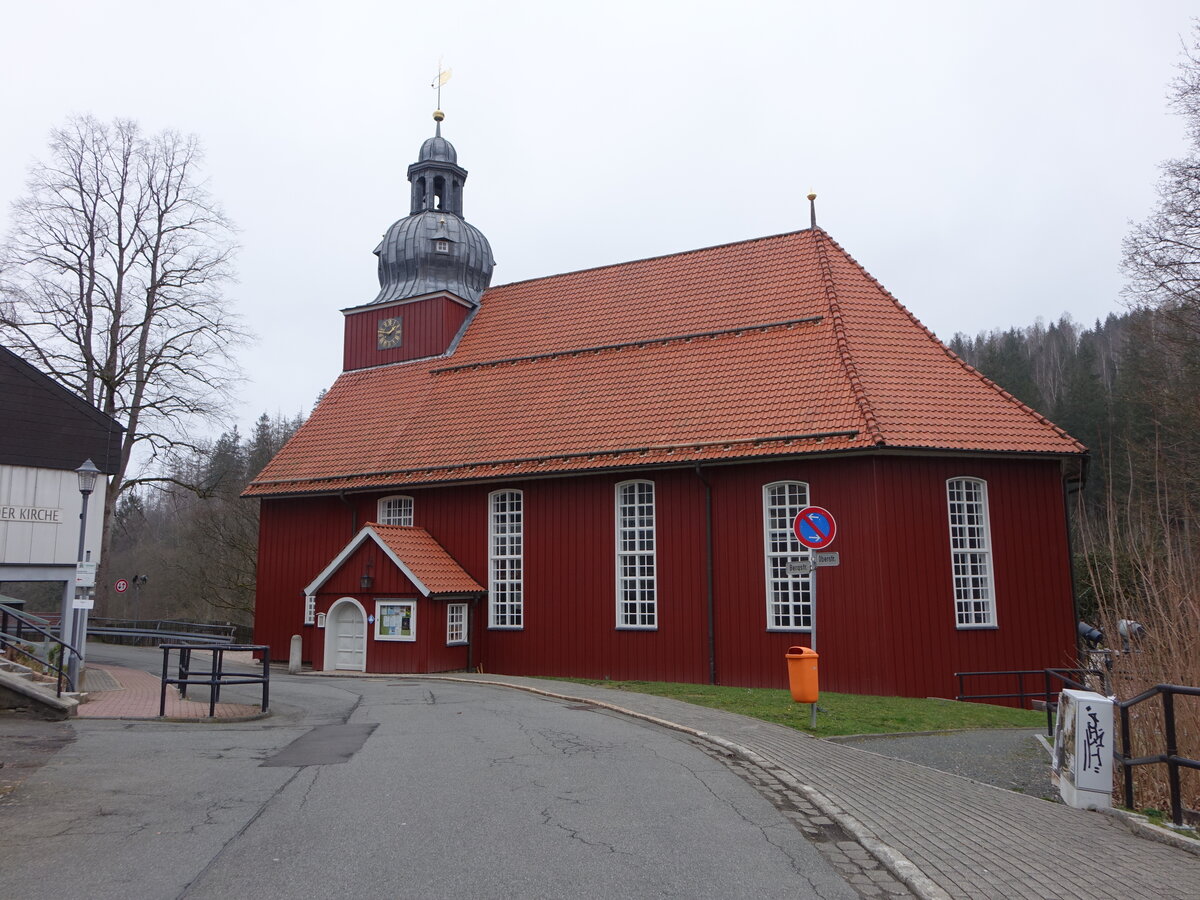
(743, 459)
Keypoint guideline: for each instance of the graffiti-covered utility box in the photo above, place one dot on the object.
(1083, 749)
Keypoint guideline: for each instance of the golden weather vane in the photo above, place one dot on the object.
(443, 75)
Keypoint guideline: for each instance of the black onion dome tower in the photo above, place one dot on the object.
(434, 248)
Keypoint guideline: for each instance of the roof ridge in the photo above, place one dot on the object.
(646, 342)
(646, 259)
(843, 345)
(938, 342)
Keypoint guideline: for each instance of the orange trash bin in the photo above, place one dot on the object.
(802, 673)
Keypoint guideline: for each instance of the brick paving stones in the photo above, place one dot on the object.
(137, 697)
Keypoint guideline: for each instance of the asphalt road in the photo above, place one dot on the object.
(403, 788)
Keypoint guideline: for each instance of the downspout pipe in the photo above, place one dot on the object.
(1074, 486)
(353, 513)
(708, 555)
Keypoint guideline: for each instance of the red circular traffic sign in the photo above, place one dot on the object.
(121, 586)
(815, 527)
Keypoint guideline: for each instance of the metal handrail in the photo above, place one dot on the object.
(216, 676)
(14, 643)
(1171, 757)
(1046, 695)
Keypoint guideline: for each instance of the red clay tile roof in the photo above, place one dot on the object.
(775, 346)
(426, 559)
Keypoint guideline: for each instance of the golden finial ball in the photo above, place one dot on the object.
(812, 197)
(438, 115)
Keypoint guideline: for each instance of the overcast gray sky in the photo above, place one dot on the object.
(982, 159)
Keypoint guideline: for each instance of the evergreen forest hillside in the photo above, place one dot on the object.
(1128, 388)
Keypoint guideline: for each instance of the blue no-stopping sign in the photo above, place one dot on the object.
(815, 527)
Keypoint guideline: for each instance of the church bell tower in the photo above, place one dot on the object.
(433, 268)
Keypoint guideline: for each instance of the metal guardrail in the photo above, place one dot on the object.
(1170, 758)
(10, 617)
(214, 677)
(1048, 694)
(162, 629)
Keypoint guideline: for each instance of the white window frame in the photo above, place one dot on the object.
(402, 514)
(456, 624)
(411, 603)
(637, 556)
(310, 609)
(971, 566)
(506, 560)
(790, 597)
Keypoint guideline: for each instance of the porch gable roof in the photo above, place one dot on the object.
(415, 552)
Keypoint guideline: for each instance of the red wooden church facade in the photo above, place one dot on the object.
(886, 615)
(585, 475)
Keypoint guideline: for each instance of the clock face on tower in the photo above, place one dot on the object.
(387, 334)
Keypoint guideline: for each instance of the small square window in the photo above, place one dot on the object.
(441, 246)
(395, 511)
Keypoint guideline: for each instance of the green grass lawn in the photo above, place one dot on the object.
(838, 713)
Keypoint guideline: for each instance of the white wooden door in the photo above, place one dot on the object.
(349, 638)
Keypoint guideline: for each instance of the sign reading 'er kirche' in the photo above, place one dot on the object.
(44, 514)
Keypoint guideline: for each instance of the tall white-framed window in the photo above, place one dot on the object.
(396, 511)
(789, 591)
(971, 553)
(506, 545)
(456, 623)
(637, 578)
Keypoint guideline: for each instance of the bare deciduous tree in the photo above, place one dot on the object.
(112, 281)
(1162, 254)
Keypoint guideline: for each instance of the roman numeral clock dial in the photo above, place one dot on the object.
(387, 334)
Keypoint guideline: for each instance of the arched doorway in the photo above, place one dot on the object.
(346, 637)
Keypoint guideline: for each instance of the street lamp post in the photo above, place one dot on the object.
(87, 474)
(137, 581)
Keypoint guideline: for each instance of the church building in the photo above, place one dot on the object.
(596, 474)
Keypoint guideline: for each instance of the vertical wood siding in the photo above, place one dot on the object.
(885, 616)
(428, 328)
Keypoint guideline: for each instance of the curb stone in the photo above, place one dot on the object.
(890, 858)
(1142, 827)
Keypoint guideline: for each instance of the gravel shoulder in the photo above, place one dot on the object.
(1009, 758)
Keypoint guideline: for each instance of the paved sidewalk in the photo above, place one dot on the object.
(137, 695)
(943, 835)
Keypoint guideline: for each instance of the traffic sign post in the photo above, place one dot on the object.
(815, 528)
(121, 586)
